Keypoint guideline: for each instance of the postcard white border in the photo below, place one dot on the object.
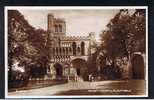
(73, 8)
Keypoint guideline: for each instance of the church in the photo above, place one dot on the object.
(69, 54)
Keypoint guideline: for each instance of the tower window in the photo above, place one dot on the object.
(56, 28)
(60, 28)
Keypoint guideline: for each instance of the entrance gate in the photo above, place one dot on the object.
(59, 70)
(138, 67)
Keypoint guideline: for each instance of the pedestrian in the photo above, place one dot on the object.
(89, 77)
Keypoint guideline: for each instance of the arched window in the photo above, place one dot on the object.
(53, 51)
(74, 48)
(63, 51)
(66, 50)
(56, 51)
(70, 49)
(56, 28)
(78, 49)
(60, 28)
(82, 48)
(60, 51)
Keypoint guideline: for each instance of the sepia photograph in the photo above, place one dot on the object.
(76, 51)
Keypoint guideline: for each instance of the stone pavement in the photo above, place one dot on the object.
(131, 87)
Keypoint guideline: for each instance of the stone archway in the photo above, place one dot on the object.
(138, 67)
(59, 70)
(80, 66)
(78, 71)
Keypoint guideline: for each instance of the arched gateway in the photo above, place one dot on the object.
(138, 66)
(74, 69)
(80, 66)
(59, 70)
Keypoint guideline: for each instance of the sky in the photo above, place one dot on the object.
(78, 22)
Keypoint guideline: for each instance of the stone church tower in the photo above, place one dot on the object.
(56, 26)
(66, 52)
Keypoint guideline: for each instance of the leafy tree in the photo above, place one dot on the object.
(125, 34)
(116, 36)
(137, 32)
(26, 44)
(17, 37)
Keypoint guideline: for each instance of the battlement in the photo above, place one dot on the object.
(73, 38)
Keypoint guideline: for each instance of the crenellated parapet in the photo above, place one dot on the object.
(75, 38)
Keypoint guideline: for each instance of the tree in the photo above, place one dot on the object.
(26, 45)
(125, 34)
(116, 36)
(137, 32)
(17, 38)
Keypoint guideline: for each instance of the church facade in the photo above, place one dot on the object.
(69, 54)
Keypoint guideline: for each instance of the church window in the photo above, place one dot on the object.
(74, 48)
(63, 50)
(56, 28)
(60, 28)
(53, 51)
(66, 50)
(82, 48)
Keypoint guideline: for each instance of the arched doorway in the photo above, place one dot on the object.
(80, 66)
(78, 71)
(59, 70)
(138, 71)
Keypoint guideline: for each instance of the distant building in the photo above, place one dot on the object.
(67, 52)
